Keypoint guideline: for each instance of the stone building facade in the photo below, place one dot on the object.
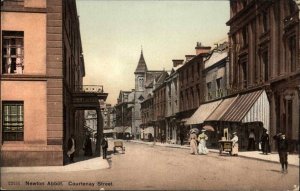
(144, 84)
(45, 68)
(264, 54)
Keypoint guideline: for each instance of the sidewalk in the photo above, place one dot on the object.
(256, 155)
(96, 163)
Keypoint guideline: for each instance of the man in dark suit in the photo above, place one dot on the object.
(104, 145)
(282, 146)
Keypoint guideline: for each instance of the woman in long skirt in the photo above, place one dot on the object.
(235, 145)
(202, 138)
(193, 143)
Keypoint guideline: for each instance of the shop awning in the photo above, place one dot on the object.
(108, 131)
(149, 129)
(221, 109)
(203, 112)
(250, 107)
(122, 129)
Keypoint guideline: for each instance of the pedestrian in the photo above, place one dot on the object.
(265, 145)
(193, 143)
(88, 146)
(104, 145)
(181, 138)
(282, 145)
(202, 138)
(251, 141)
(71, 148)
(235, 144)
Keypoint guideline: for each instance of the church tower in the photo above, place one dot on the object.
(140, 78)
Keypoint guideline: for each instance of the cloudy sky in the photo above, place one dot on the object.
(113, 32)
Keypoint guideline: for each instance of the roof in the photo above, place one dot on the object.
(141, 67)
(215, 57)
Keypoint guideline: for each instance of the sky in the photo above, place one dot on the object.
(113, 33)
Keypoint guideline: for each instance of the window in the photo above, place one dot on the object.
(265, 60)
(219, 80)
(244, 73)
(265, 22)
(292, 52)
(12, 52)
(245, 36)
(13, 121)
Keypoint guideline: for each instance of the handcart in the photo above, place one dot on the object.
(119, 144)
(225, 146)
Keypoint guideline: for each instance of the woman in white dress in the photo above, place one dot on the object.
(235, 145)
(202, 138)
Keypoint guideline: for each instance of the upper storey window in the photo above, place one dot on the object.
(245, 36)
(12, 52)
(265, 22)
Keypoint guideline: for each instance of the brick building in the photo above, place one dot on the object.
(191, 86)
(43, 66)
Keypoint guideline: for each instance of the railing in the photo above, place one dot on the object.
(89, 88)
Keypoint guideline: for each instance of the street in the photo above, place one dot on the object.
(153, 167)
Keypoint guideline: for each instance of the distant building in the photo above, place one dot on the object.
(172, 103)
(143, 80)
(191, 87)
(123, 112)
(159, 107)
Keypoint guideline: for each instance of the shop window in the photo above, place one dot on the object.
(12, 52)
(13, 121)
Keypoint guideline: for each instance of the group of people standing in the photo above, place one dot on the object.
(87, 147)
(198, 145)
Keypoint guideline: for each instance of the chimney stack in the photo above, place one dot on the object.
(177, 62)
(189, 57)
(202, 49)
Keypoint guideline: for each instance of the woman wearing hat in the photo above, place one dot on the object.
(202, 138)
(235, 144)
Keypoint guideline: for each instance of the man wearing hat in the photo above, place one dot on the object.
(235, 144)
(282, 146)
(202, 138)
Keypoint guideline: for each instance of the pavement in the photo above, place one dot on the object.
(293, 159)
(80, 164)
(97, 163)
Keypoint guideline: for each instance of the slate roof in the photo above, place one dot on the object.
(141, 67)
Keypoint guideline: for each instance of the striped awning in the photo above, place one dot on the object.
(202, 113)
(221, 109)
(245, 108)
(242, 105)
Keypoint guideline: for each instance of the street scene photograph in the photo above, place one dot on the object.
(150, 95)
